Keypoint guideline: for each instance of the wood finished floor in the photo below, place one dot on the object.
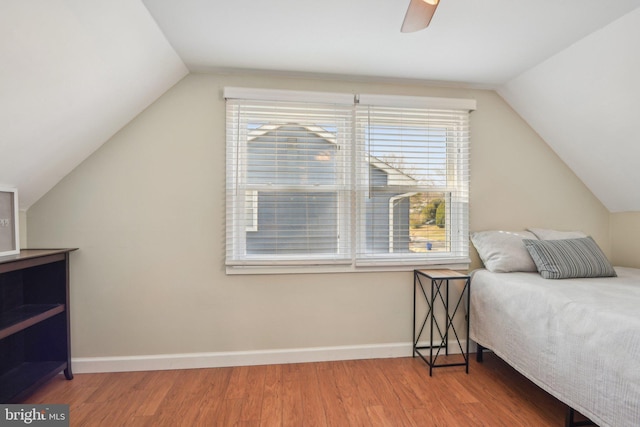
(378, 392)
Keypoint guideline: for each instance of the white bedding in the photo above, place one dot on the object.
(578, 339)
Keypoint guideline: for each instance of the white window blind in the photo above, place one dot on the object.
(413, 185)
(319, 179)
(288, 182)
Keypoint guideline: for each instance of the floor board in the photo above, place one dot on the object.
(376, 392)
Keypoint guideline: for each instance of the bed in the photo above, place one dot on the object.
(576, 338)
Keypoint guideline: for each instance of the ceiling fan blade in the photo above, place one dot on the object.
(418, 15)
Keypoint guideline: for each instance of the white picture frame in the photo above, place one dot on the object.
(9, 227)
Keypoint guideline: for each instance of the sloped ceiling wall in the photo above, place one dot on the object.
(585, 103)
(72, 74)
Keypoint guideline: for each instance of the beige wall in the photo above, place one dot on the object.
(22, 223)
(625, 235)
(147, 212)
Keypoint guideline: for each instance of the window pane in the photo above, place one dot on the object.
(287, 182)
(292, 223)
(416, 160)
(291, 155)
(416, 153)
(402, 160)
(295, 223)
(428, 223)
(406, 223)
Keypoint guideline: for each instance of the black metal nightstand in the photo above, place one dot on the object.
(439, 292)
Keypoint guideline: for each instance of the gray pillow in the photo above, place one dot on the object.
(569, 258)
(549, 234)
(503, 251)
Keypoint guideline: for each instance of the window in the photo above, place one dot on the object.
(413, 185)
(317, 179)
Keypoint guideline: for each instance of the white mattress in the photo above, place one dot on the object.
(578, 339)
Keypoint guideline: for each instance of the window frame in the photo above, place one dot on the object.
(350, 197)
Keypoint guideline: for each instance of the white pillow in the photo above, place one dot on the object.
(504, 251)
(547, 234)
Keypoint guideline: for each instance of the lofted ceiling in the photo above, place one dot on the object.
(75, 71)
(72, 73)
(485, 42)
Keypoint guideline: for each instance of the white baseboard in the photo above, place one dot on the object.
(161, 362)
